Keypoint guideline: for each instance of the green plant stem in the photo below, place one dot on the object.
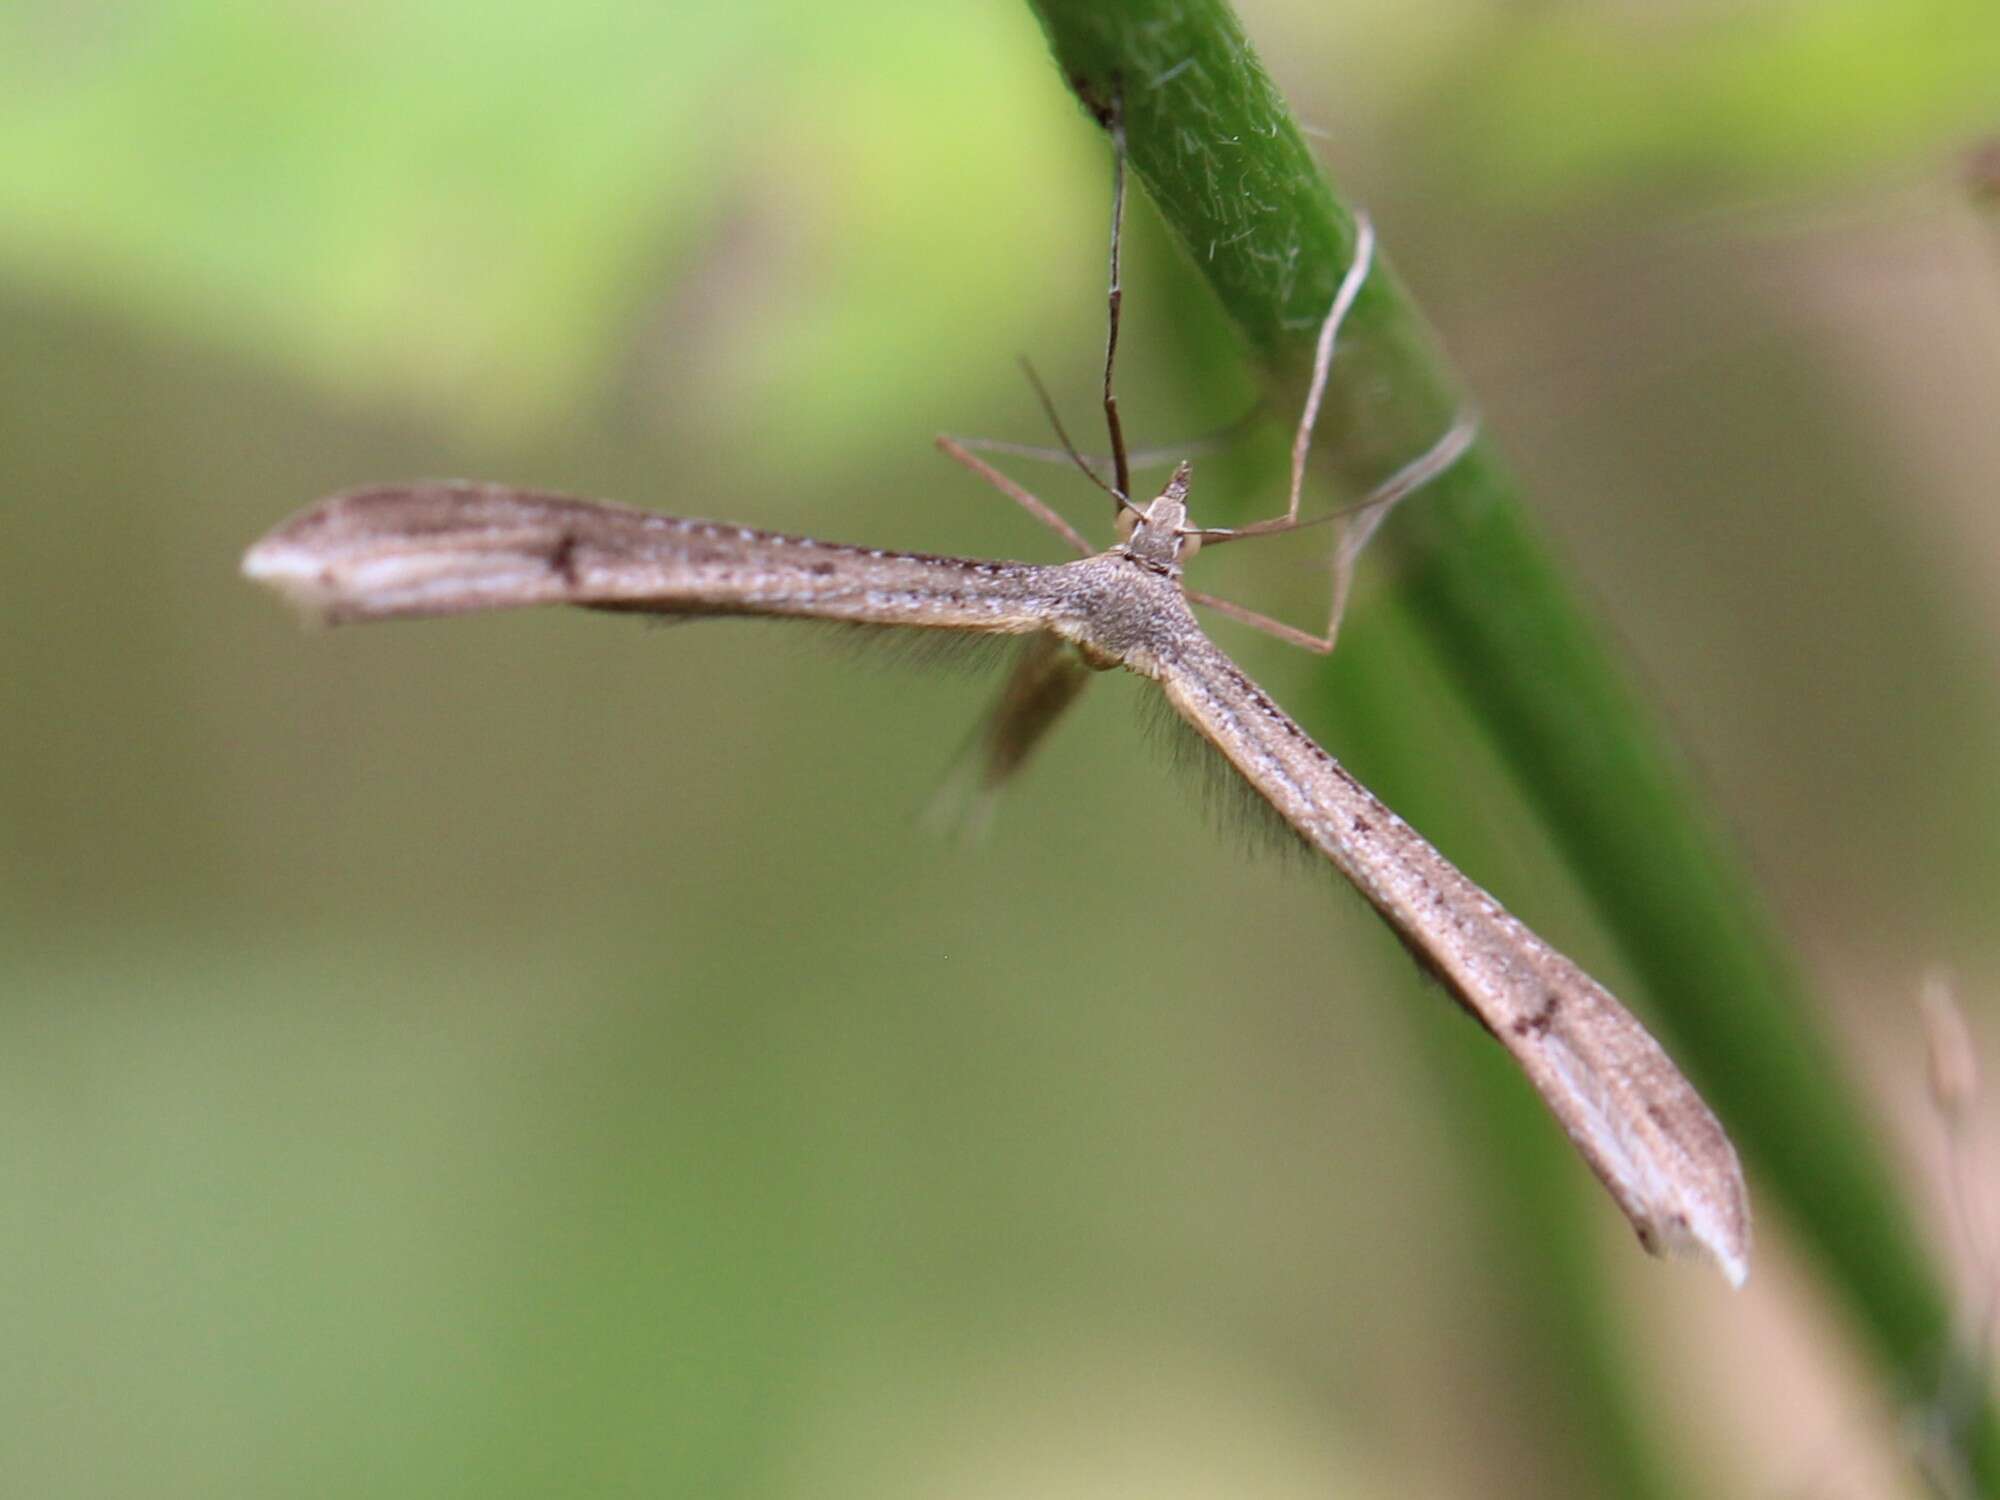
(1217, 150)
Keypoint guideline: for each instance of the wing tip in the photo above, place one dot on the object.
(1712, 1227)
(295, 574)
(433, 548)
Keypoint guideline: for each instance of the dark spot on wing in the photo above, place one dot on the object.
(1537, 1025)
(562, 558)
(1271, 711)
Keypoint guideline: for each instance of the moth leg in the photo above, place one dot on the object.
(1045, 680)
(1215, 441)
(1360, 522)
(1033, 504)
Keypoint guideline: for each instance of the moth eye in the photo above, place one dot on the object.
(1126, 524)
(1190, 544)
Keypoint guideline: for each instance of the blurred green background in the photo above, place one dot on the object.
(548, 1055)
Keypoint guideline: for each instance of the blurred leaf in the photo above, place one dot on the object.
(372, 191)
(1558, 99)
(465, 207)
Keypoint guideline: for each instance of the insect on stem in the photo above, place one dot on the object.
(450, 548)
(441, 548)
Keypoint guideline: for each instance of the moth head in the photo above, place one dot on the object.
(1158, 533)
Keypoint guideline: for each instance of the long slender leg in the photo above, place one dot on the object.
(1118, 495)
(1033, 505)
(1095, 464)
(1045, 679)
(1343, 302)
(1360, 523)
(1068, 452)
(1329, 330)
(1120, 465)
(1291, 635)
